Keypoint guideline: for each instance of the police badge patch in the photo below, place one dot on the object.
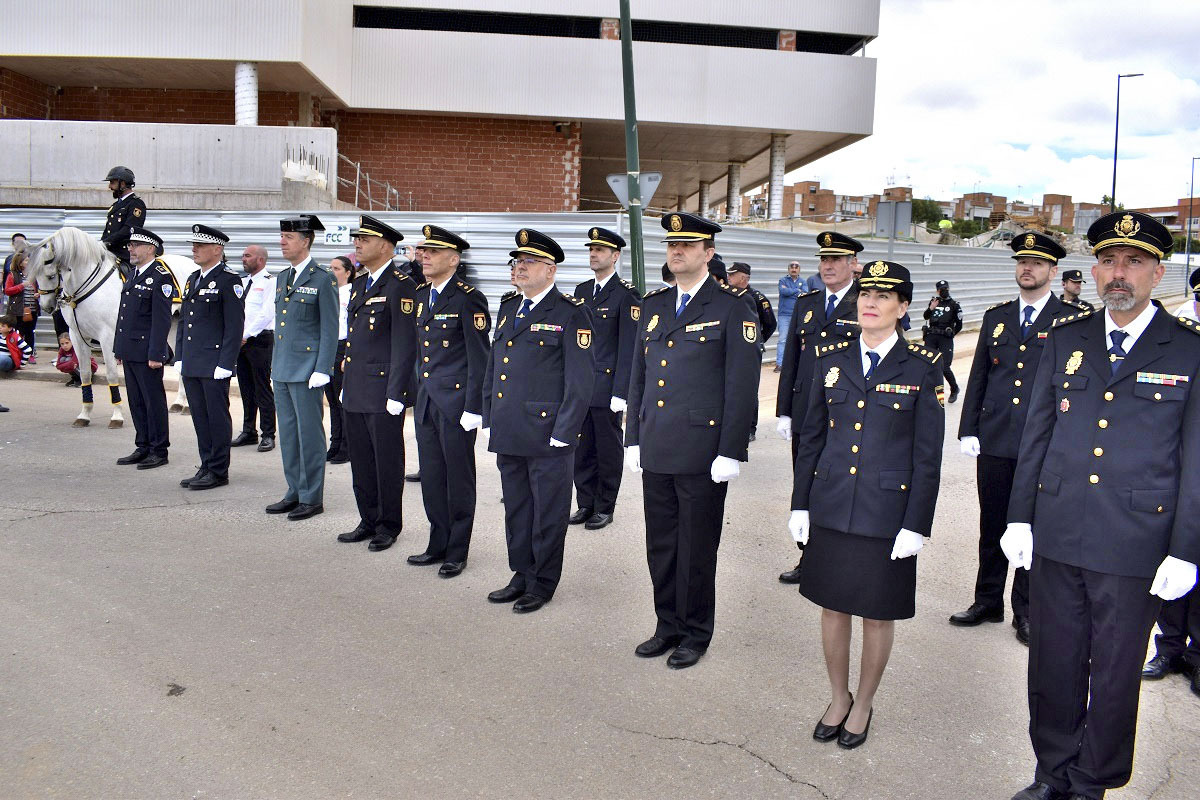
(584, 337)
(750, 331)
(238, 290)
(166, 290)
(480, 321)
(832, 376)
(635, 313)
(406, 305)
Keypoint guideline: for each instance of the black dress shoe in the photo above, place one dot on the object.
(579, 517)
(267, 444)
(425, 560)
(1196, 681)
(792, 575)
(359, 534)
(1039, 791)
(1160, 667)
(244, 438)
(305, 510)
(976, 614)
(282, 507)
(382, 541)
(953, 396)
(527, 603)
(413, 477)
(847, 740)
(656, 646)
(1022, 626)
(598, 521)
(505, 595)
(152, 461)
(684, 657)
(200, 473)
(451, 569)
(208, 481)
(827, 733)
(340, 458)
(136, 457)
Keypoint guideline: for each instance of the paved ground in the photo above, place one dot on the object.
(165, 644)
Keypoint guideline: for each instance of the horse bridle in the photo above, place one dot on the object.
(79, 295)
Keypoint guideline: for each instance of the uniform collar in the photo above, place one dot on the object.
(533, 301)
(1038, 305)
(882, 350)
(839, 294)
(1135, 328)
(600, 284)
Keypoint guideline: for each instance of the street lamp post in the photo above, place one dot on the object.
(1112, 198)
(1187, 239)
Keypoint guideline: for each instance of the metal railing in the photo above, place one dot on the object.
(365, 186)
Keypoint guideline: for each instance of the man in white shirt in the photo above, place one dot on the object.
(254, 359)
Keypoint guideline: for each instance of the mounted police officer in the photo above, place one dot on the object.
(943, 322)
(127, 213)
(739, 278)
(616, 308)
(1072, 285)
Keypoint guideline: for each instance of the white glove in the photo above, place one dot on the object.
(969, 445)
(1017, 544)
(394, 407)
(723, 469)
(1174, 579)
(798, 526)
(487, 432)
(179, 367)
(784, 428)
(633, 458)
(556, 443)
(469, 421)
(908, 544)
(341, 395)
(317, 380)
(220, 373)
(616, 405)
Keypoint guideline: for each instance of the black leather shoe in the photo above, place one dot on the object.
(359, 534)
(413, 477)
(451, 569)
(792, 575)
(1039, 791)
(505, 595)
(598, 521)
(282, 507)
(305, 510)
(267, 444)
(136, 457)
(655, 646)
(340, 458)
(1080, 797)
(953, 396)
(1160, 667)
(1022, 626)
(684, 657)
(152, 461)
(207, 481)
(200, 473)
(244, 438)
(827, 733)
(1196, 681)
(424, 560)
(847, 740)
(382, 541)
(528, 603)
(978, 613)
(579, 517)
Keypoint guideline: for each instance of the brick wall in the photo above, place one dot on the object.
(187, 106)
(22, 97)
(463, 163)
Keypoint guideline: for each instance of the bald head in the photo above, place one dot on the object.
(254, 259)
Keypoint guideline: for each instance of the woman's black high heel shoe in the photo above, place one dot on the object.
(827, 733)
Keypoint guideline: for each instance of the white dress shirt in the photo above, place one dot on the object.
(882, 350)
(680, 291)
(1135, 328)
(343, 310)
(1038, 305)
(260, 303)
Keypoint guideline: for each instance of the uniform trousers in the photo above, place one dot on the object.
(209, 401)
(376, 444)
(301, 440)
(1088, 634)
(1179, 622)
(599, 460)
(684, 515)
(940, 343)
(446, 455)
(333, 392)
(148, 406)
(994, 479)
(537, 503)
(254, 383)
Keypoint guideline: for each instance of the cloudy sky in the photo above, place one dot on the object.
(1018, 98)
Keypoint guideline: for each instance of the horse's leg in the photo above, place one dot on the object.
(114, 379)
(84, 352)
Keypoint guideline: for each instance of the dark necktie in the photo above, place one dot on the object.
(1116, 353)
(830, 306)
(683, 301)
(1027, 322)
(522, 312)
(874, 359)
(596, 292)
(433, 296)
(370, 283)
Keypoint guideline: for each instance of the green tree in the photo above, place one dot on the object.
(1107, 200)
(927, 212)
(966, 228)
(1181, 244)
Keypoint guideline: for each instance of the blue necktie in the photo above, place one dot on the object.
(596, 293)
(433, 296)
(830, 307)
(1116, 353)
(1028, 321)
(874, 359)
(370, 282)
(522, 312)
(683, 301)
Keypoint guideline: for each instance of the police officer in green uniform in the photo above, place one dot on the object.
(306, 332)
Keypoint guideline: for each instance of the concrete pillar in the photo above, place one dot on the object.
(680, 202)
(704, 189)
(245, 93)
(778, 157)
(733, 199)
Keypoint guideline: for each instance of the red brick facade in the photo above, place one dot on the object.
(22, 97)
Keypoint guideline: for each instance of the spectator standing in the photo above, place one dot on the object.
(338, 453)
(22, 299)
(254, 359)
(18, 244)
(791, 286)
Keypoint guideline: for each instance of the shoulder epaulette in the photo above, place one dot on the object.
(1190, 324)
(1080, 313)
(1003, 303)
(810, 294)
(825, 350)
(648, 295)
(422, 285)
(466, 287)
(319, 265)
(508, 295)
(627, 284)
(733, 291)
(929, 355)
(162, 269)
(573, 300)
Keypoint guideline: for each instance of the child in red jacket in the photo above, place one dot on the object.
(67, 361)
(16, 352)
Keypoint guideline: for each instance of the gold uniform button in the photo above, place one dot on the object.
(661, 404)
(703, 339)
(1099, 451)
(427, 343)
(1016, 401)
(1160, 509)
(282, 324)
(1017, 382)
(853, 448)
(861, 403)
(1102, 423)
(457, 386)
(831, 423)
(854, 470)
(506, 359)
(670, 342)
(1158, 396)
(663, 362)
(896, 406)
(858, 426)
(508, 344)
(425, 374)
(903, 487)
(823, 334)
(426, 359)
(426, 327)
(1021, 348)
(543, 413)
(285, 311)
(1020, 365)
(1093, 478)
(662, 382)
(499, 395)
(1066, 384)
(713, 422)
(608, 372)
(503, 377)
(1108, 395)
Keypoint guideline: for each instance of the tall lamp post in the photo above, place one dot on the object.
(632, 159)
(1187, 239)
(1112, 198)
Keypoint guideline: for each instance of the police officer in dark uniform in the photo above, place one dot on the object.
(739, 278)
(692, 394)
(143, 325)
(993, 417)
(1104, 509)
(381, 351)
(820, 317)
(616, 308)
(535, 395)
(452, 331)
(211, 317)
(1072, 285)
(127, 213)
(943, 318)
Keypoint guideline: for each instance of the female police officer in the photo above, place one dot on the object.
(866, 481)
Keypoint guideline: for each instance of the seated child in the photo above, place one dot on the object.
(67, 361)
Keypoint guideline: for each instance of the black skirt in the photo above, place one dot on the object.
(856, 575)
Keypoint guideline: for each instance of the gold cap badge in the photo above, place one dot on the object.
(594, 234)
(524, 238)
(427, 231)
(676, 223)
(878, 269)
(1127, 226)
(828, 239)
(1030, 241)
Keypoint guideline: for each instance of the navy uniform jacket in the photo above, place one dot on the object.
(944, 319)
(381, 343)
(766, 315)
(306, 324)
(211, 318)
(810, 330)
(693, 389)
(869, 458)
(128, 212)
(615, 314)
(1080, 303)
(144, 319)
(539, 378)
(453, 345)
(1108, 465)
(1002, 373)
